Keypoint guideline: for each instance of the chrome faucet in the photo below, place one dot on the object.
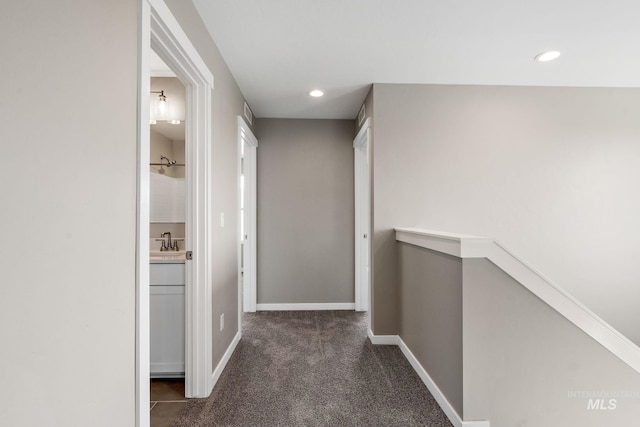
(168, 246)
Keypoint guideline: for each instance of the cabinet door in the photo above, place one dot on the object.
(166, 274)
(167, 330)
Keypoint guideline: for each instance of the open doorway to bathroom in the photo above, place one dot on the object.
(167, 254)
(160, 32)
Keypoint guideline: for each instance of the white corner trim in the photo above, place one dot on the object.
(464, 246)
(449, 411)
(215, 376)
(382, 339)
(306, 306)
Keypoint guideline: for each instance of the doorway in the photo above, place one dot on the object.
(247, 148)
(167, 254)
(362, 192)
(160, 31)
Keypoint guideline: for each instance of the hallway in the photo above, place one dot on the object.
(314, 368)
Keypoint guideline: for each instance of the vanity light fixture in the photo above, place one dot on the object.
(174, 122)
(547, 56)
(162, 101)
(158, 107)
(316, 93)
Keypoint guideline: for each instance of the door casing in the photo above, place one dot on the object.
(160, 31)
(362, 193)
(249, 253)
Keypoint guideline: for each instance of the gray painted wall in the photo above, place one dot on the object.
(67, 310)
(305, 211)
(430, 321)
(550, 172)
(67, 298)
(522, 360)
(227, 104)
(163, 146)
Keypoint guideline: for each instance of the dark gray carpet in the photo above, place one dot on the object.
(314, 368)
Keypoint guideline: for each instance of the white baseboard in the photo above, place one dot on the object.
(382, 339)
(426, 379)
(449, 411)
(306, 306)
(223, 362)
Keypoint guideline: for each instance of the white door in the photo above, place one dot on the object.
(248, 145)
(362, 183)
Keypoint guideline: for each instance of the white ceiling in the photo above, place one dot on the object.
(279, 50)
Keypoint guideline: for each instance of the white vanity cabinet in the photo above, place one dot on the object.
(167, 314)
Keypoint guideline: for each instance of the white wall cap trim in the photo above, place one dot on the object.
(463, 246)
(459, 245)
(449, 411)
(306, 306)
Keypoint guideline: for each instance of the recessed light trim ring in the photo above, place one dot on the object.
(547, 56)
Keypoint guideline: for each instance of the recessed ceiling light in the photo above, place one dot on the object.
(316, 93)
(547, 56)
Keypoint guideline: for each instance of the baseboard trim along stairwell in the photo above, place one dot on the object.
(426, 379)
(306, 306)
(223, 362)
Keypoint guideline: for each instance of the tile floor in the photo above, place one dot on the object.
(167, 400)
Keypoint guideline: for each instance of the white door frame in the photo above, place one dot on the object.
(250, 252)
(362, 193)
(160, 31)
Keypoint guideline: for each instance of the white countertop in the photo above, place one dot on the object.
(166, 257)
